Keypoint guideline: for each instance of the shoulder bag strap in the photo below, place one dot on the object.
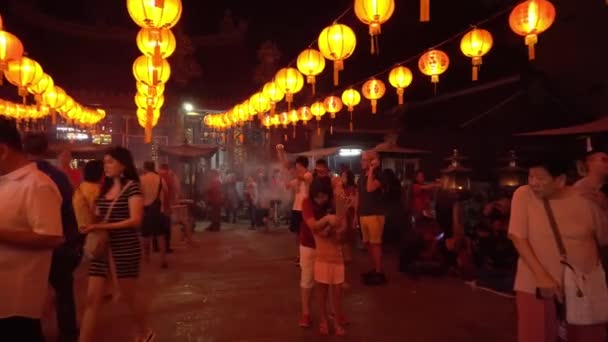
(555, 230)
(116, 199)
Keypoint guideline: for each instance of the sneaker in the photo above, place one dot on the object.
(305, 321)
(148, 337)
(368, 274)
(375, 279)
(342, 320)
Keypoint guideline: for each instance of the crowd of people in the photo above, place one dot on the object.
(48, 211)
(531, 243)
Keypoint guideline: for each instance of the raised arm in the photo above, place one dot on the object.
(373, 183)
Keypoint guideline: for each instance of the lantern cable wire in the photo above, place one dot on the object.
(444, 42)
(314, 41)
(414, 57)
(492, 109)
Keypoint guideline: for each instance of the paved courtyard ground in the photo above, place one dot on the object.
(240, 285)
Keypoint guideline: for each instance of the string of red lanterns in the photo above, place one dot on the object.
(156, 43)
(30, 79)
(337, 42)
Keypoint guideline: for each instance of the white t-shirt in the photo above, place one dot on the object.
(29, 201)
(301, 191)
(579, 223)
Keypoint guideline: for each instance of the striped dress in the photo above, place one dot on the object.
(125, 245)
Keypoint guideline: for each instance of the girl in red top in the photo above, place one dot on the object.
(327, 231)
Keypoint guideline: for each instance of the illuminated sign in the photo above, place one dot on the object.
(349, 152)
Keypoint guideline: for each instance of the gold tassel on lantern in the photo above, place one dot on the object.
(531, 40)
(311, 80)
(338, 66)
(148, 129)
(425, 10)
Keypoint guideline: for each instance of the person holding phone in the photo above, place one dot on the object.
(370, 210)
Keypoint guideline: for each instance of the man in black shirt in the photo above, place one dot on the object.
(370, 210)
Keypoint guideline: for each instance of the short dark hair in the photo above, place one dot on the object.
(164, 166)
(9, 134)
(302, 161)
(350, 178)
(149, 166)
(93, 171)
(591, 153)
(555, 165)
(321, 185)
(321, 162)
(36, 144)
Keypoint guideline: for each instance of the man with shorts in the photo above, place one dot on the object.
(370, 210)
(299, 184)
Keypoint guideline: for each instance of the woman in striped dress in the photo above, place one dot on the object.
(121, 187)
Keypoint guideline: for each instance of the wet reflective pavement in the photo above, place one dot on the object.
(240, 285)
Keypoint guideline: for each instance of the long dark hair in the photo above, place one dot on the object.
(123, 156)
(321, 185)
(350, 178)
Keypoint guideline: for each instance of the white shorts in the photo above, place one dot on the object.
(329, 273)
(307, 267)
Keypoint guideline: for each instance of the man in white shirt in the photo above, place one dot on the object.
(29, 231)
(596, 163)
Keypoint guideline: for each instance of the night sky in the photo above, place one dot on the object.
(96, 65)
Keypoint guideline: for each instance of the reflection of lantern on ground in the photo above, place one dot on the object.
(512, 176)
(456, 177)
